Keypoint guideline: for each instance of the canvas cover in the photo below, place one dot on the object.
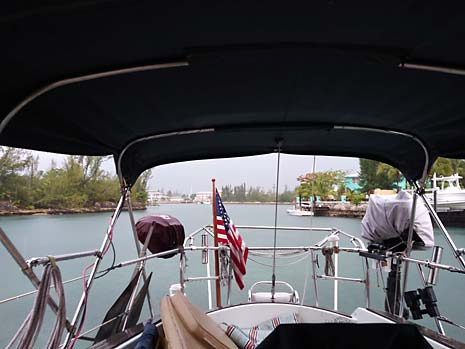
(388, 216)
(347, 336)
(186, 326)
(168, 233)
(251, 73)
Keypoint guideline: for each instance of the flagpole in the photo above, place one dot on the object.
(215, 235)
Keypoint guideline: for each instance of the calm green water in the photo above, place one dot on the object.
(44, 235)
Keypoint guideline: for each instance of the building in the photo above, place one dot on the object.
(352, 182)
(154, 197)
(203, 197)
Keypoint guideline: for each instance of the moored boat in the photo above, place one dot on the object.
(299, 212)
(318, 210)
(302, 209)
(447, 198)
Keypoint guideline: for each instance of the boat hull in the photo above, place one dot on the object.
(446, 201)
(300, 213)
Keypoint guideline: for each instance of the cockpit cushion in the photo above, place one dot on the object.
(187, 326)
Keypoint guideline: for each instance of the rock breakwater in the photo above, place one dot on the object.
(345, 209)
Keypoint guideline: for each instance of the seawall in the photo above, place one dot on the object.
(344, 209)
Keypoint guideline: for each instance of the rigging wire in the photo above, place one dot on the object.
(107, 270)
(310, 255)
(84, 311)
(305, 256)
(283, 255)
(14, 298)
(273, 276)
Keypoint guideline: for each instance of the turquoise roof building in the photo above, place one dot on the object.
(352, 182)
(402, 184)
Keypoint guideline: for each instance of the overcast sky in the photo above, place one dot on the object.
(256, 171)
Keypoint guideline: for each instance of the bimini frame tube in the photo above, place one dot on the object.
(433, 68)
(177, 133)
(153, 137)
(82, 78)
(395, 133)
(103, 247)
(450, 241)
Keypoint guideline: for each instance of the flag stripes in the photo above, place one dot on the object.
(228, 234)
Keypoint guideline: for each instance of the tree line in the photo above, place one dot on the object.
(375, 174)
(241, 193)
(326, 185)
(79, 183)
(330, 185)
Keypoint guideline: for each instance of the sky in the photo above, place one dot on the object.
(256, 171)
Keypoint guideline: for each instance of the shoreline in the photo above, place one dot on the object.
(62, 211)
(226, 202)
(336, 209)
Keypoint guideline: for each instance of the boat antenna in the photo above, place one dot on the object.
(311, 256)
(279, 143)
(313, 191)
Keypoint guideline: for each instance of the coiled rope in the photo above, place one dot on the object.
(30, 328)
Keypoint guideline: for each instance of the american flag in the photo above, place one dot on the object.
(228, 234)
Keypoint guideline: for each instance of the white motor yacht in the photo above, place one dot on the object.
(447, 194)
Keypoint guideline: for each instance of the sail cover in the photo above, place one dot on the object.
(388, 216)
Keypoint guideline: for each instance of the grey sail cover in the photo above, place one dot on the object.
(387, 216)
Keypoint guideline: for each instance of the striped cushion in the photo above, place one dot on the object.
(249, 338)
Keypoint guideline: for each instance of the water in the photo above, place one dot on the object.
(44, 235)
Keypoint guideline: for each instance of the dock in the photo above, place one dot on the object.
(349, 210)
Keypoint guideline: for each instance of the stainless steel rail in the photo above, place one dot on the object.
(105, 245)
(27, 270)
(331, 239)
(189, 246)
(456, 251)
(35, 261)
(340, 278)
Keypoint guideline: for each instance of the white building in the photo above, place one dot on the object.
(203, 197)
(154, 196)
